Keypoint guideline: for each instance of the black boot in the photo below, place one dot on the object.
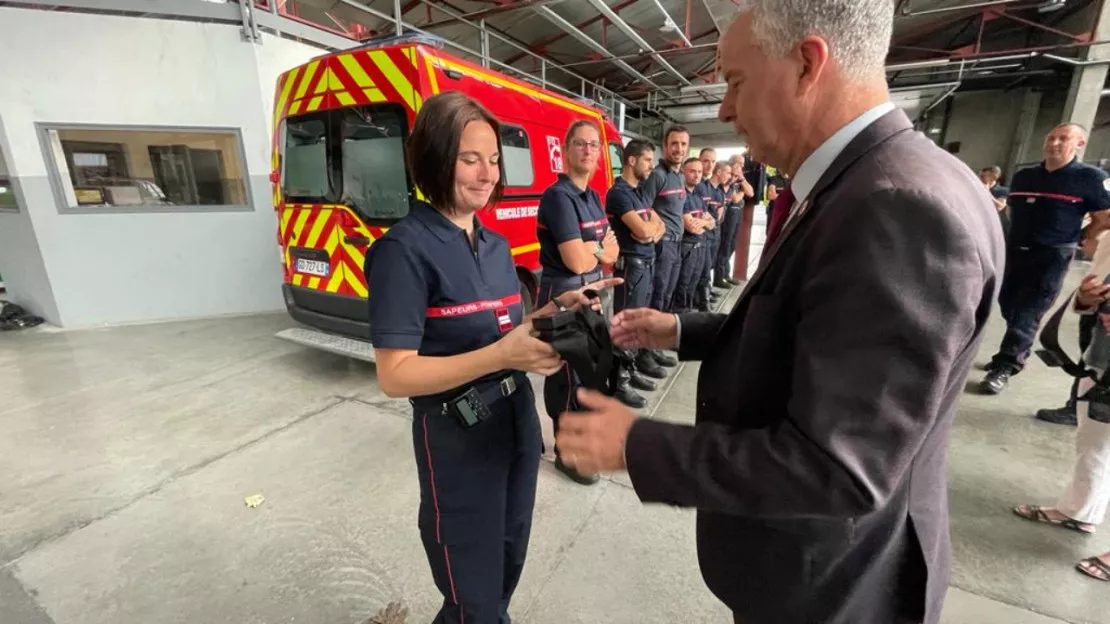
(721, 282)
(663, 359)
(1059, 416)
(573, 474)
(640, 382)
(628, 396)
(648, 365)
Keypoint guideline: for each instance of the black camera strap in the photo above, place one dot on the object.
(1053, 354)
(581, 337)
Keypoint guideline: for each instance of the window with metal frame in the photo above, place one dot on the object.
(516, 156)
(616, 156)
(352, 156)
(125, 169)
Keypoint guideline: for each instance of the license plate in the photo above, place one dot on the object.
(313, 267)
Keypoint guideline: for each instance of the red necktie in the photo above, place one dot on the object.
(780, 210)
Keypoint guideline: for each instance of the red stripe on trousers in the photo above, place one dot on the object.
(435, 504)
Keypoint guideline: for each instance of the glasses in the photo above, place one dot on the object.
(591, 146)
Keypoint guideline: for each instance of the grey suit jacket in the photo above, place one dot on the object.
(826, 397)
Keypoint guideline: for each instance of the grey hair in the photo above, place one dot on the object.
(1071, 124)
(995, 170)
(858, 32)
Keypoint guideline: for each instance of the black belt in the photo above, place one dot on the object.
(671, 238)
(637, 261)
(580, 280)
(692, 243)
(491, 392)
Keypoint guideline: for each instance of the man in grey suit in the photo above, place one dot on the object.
(826, 397)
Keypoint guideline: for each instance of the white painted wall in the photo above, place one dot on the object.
(78, 68)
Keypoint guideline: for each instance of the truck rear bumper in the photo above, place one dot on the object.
(337, 314)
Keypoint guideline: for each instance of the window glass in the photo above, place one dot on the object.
(616, 156)
(304, 176)
(118, 167)
(7, 192)
(373, 161)
(516, 156)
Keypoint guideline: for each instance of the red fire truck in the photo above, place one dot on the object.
(339, 178)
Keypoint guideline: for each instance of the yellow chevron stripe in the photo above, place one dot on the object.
(433, 82)
(397, 78)
(298, 228)
(313, 239)
(355, 71)
(295, 107)
(337, 268)
(298, 279)
(283, 99)
(344, 98)
(315, 103)
(523, 249)
(305, 79)
(375, 95)
(323, 82)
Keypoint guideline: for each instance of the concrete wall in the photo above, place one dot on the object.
(113, 268)
(983, 122)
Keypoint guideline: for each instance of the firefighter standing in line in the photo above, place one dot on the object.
(736, 193)
(696, 222)
(638, 229)
(712, 191)
(665, 191)
(708, 158)
(449, 332)
(1047, 204)
(575, 242)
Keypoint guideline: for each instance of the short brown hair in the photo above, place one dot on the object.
(432, 148)
(690, 160)
(578, 125)
(673, 130)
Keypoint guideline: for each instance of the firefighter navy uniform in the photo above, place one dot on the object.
(1046, 211)
(637, 260)
(566, 213)
(665, 190)
(729, 230)
(714, 198)
(433, 292)
(694, 255)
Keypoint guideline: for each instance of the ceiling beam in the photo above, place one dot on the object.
(575, 32)
(496, 10)
(546, 41)
(625, 28)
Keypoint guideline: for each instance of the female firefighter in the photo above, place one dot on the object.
(449, 333)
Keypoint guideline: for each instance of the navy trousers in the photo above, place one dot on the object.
(729, 230)
(1030, 285)
(477, 492)
(705, 279)
(693, 258)
(668, 265)
(635, 292)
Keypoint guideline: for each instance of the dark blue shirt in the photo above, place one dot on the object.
(431, 291)
(567, 213)
(695, 206)
(1047, 208)
(622, 199)
(665, 191)
(999, 192)
(712, 196)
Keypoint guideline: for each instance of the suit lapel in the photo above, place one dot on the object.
(882, 129)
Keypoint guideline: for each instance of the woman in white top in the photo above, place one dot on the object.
(1082, 506)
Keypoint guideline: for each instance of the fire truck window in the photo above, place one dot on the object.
(517, 156)
(304, 173)
(113, 169)
(616, 158)
(373, 154)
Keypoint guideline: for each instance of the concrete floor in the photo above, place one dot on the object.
(126, 454)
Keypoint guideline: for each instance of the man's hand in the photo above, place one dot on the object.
(1092, 292)
(999, 204)
(592, 441)
(644, 328)
(610, 250)
(772, 192)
